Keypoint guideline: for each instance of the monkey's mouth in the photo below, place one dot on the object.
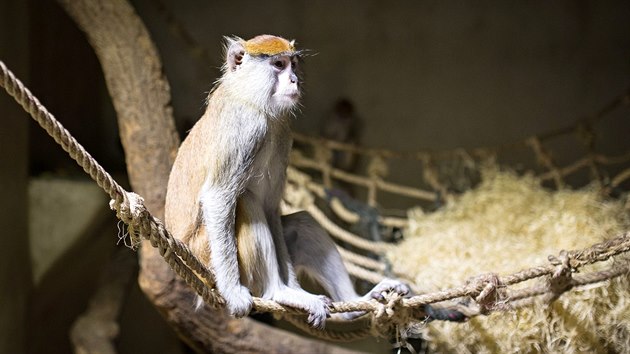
(290, 97)
(293, 95)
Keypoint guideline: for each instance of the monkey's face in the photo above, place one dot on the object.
(269, 81)
(286, 92)
(263, 71)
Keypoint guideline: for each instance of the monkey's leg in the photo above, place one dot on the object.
(315, 253)
(260, 263)
(287, 271)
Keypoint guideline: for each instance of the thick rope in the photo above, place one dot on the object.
(304, 181)
(486, 290)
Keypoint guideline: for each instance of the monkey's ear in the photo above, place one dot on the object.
(234, 53)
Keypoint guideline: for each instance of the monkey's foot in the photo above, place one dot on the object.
(387, 285)
(317, 306)
(238, 301)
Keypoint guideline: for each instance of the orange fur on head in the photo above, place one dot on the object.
(268, 45)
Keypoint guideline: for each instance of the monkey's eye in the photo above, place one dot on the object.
(279, 63)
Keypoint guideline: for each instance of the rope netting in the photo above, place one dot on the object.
(440, 180)
(488, 292)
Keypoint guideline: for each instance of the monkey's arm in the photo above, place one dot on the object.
(228, 169)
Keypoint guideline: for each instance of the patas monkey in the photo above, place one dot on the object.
(224, 191)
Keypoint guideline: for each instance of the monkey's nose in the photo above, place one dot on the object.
(293, 78)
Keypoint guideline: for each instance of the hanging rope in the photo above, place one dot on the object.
(393, 314)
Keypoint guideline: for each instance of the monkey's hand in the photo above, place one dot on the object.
(238, 300)
(387, 285)
(317, 306)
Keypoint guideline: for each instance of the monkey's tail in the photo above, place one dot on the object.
(444, 314)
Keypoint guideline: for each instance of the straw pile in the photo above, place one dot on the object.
(506, 224)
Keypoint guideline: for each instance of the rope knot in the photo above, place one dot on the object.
(132, 212)
(377, 167)
(562, 277)
(389, 312)
(395, 320)
(488, 292)
(387, 307)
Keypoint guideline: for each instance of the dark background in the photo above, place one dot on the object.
(421, 75)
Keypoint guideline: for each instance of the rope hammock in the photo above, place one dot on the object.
(489, 292)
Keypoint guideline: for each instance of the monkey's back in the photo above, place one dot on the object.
(187, 176)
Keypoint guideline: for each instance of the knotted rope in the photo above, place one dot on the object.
(393, 313)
